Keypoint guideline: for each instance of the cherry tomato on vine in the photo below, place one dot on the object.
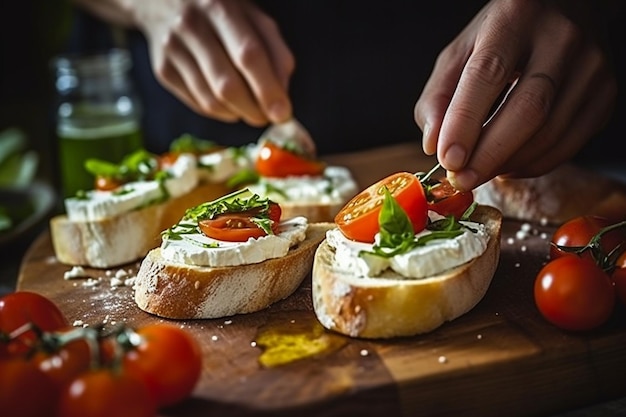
(579, 231)
(105, 393)
(573, 293)
(25, 391)
(64, 363)
(358, 219)
(444, 199)
(23, 307)
(619, 278)
(168, 359)
(238, 226)
(276, 161)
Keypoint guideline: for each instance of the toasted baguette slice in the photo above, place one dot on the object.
(125, 238)
(180, 291)
(391, 307)
(564, 193)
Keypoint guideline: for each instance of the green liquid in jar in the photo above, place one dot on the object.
(106, 138)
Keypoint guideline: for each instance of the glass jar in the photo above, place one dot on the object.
(97, 114)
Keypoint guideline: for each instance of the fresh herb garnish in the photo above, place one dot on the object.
(397, 236)
(191, 144)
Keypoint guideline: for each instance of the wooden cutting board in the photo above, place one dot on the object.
(501, 358)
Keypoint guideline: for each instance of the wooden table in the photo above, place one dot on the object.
(501, 358)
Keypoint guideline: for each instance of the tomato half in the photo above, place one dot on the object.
(358, 219)
(579, 231)
(238, 227)
(275, 161)
(573, 293)
(22, 307)
(168, 359)
(444, 199)
(104, 393)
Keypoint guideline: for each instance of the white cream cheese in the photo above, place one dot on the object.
(104, 204)
(198, 249)
(336, 186)
(435, 257)
(220, 166)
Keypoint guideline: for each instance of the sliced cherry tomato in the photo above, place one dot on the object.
(579, 231)
(168, 159)
(444, 199)
(237, 226)
(107, 392)
(358, 219)
(24, 390)
(168, 359)
(103, 183)
(619, 278)
(573, 293)
(22, 307)
(275, 161)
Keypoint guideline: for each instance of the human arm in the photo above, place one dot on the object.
(225, 59)
(563, 91)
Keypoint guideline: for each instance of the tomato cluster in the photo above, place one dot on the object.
(578, 288)
(85, 372)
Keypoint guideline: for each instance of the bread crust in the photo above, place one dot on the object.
(180, 291)
(395, 306)
(125, 238)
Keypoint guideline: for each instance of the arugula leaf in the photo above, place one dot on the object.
(396, 234)
(191, 144)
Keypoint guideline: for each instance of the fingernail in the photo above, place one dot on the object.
(426, 141)
(463, 180)
(279, 111)
(454, 158)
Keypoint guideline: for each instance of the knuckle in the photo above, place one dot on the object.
(533, 104)
(248, 53)
(224, 88)
(489, 67)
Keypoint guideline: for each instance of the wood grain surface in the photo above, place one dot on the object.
(501, 358)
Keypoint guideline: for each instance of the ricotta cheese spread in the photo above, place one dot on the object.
(198, 249)
(104, 204)
(220, 166)
(336, 186)
(433, 258)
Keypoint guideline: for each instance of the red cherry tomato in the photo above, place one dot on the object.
(444, 199)
(168, 359)
(65, 363)
(275, 161)
(106, 393)
(238, 227)
(22, 307)
(579, 231)
(573, 293)
(358, 219)
(25, 391)
(103, 183)
(619, 278)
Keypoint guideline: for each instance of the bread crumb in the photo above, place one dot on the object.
(214, 338)
(443, 359)
(75, 272)
(479, 336)
(364, 352)
(253, 343)
(196, 285)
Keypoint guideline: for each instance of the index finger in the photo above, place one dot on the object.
(489, 69)
(249, 51)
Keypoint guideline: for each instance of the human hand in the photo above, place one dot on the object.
(562, 91)
(223, 58)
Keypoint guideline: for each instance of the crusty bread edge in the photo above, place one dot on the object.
(386, 308)
(125, 238)
(179, 291)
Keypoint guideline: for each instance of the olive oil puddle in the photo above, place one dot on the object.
(286, 340)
